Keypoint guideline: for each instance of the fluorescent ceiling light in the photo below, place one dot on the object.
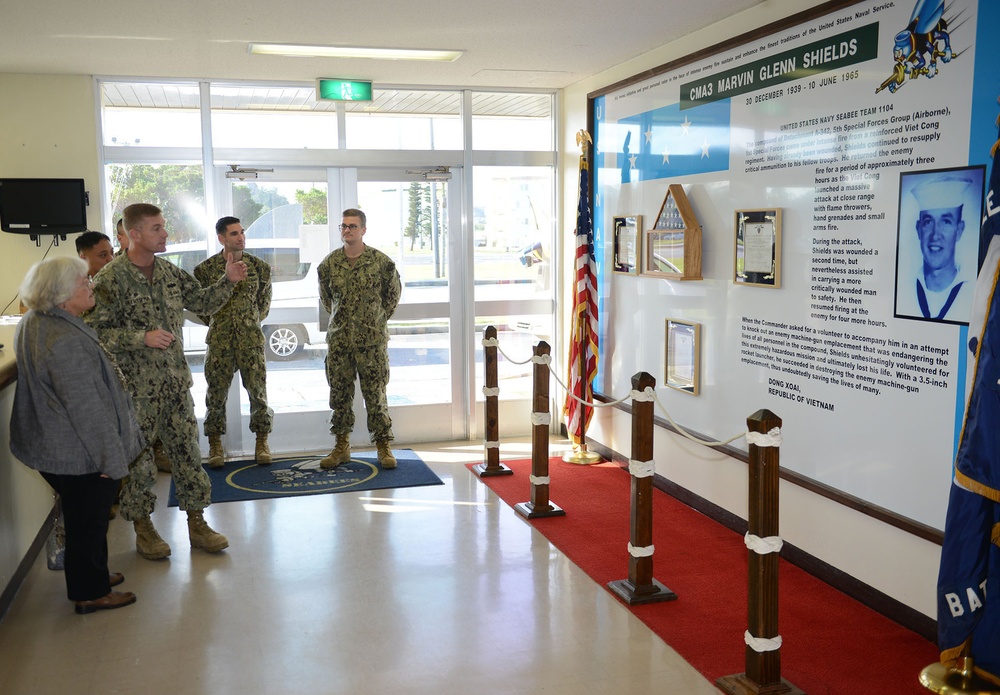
(291, 49)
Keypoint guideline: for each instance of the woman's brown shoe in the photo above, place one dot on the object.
(115, 599)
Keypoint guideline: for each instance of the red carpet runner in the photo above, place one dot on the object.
(831, 643)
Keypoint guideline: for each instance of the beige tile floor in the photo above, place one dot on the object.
(440, 589)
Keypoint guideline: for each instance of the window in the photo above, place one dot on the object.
(503, 121)
(140, 114)
(272, 117)
(177, 189)
(406, 120)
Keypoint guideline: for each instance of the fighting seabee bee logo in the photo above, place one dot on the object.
(922, 45)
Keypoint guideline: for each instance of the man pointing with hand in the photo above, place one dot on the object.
(140, 301)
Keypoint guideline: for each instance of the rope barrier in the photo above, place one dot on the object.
(762, 644)
(772, 438)
(644, 551)
(763, 546)
(541, 418)
(641, 469)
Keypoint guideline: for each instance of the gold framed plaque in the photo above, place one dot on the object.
(683, 356)
(628, 235)
(757, 243)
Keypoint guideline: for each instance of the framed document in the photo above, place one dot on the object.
(628, 232)
(683, 356)
(758, 248)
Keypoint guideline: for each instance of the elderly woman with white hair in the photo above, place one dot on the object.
(73, 422)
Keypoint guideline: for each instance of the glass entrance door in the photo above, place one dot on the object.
(291, 217)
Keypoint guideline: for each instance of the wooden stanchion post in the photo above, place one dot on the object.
(640, 587)
(540, 506)
(491, 410)
(763, 650)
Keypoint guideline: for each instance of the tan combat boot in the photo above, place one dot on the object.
(202, 536)
(262, 453)
(340, 454)
(385, 456)
(148, 542)
(160, 457)
(216, 456)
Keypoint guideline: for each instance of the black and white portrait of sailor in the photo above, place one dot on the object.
(936, 283)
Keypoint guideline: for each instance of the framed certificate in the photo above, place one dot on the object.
(757, 259)
(683, 356)
(628, 233)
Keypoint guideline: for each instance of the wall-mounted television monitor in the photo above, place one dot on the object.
(43, 206)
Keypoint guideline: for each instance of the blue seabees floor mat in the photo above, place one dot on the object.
(288, 477)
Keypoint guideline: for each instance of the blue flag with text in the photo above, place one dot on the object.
(969, 577)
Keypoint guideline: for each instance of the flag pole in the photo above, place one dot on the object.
(580, 455)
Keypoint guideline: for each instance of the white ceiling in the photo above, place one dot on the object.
(517, 43)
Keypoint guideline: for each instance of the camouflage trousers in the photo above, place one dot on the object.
(371, 365)
(171, 420)
(225, 356)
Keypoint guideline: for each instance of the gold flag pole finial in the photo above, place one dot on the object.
(582, 140)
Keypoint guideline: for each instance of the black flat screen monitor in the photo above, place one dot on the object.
(43, 206)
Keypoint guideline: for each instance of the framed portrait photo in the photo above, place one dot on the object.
(937, 243)
(757, 243)
(683, 356)
(628, 236)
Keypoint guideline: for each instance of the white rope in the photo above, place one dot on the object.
(763, 546)
(490, 342)
(644, 551)
(645, 396)
(491, 391)
(508, 357)
(762, 644)
(541, 419)
(685, 433)
(772, 438)
(641, 469)
(491, 445)
(539, 479)
(592, 404)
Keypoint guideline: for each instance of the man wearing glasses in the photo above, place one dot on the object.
(360, 287)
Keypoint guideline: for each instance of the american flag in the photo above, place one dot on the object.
(583, 338)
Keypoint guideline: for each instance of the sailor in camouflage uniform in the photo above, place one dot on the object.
(159, 455)
(138, 316)
(360, 288)
(235, 342)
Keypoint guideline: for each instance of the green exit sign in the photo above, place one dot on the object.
(332, 89)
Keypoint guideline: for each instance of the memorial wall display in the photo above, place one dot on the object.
(856, 144)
